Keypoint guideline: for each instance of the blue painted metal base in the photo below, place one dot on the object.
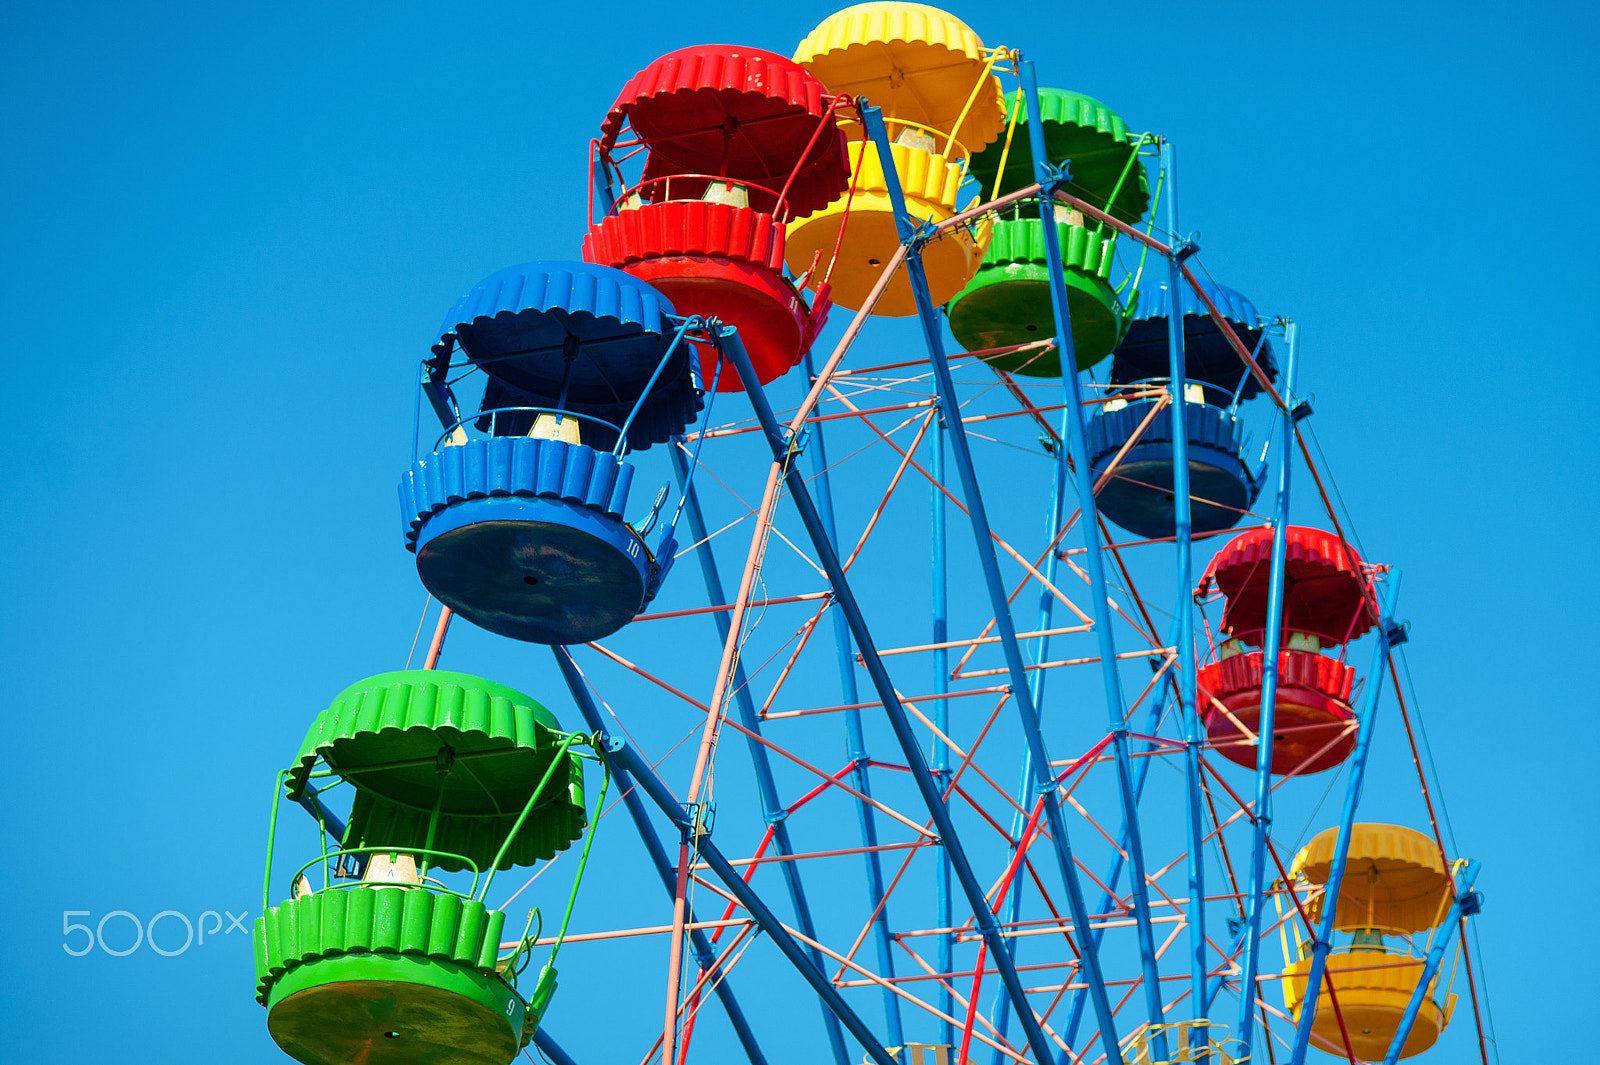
(1139, 495)
(524, 537)
(540, 570)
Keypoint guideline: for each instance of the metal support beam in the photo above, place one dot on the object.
(1441, 943)
(550, 1048)
(1347, 817)
(1262, 808)
(855, 739)
(1188, 702)
(658, 857)
(944, 913)
(1114, 873)
(1072, 397)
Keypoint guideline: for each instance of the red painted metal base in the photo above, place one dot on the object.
(1310, 718)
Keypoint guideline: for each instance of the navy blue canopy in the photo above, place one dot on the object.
(579, 336)
(1208, 357)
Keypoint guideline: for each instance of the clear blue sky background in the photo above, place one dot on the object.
(232, 230)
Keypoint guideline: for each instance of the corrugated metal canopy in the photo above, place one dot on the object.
(1208, 357)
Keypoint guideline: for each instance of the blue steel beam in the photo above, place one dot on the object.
(1047, 613)
(1114, 873)
(855, 740)
(1272, 643)
(772, 808)
(932, 332)
(1441, 943)
(658, 857)
(1188, 703)
(941, 719)
(1214, 988)
(550, 1048)
(1078, 448)
(893, 710)
(1347, 817)
(625, 758)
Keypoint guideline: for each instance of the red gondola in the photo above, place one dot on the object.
(738, 142)
(1310, 723)
(1326, 605)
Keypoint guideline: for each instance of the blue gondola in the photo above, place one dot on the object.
(1138, 496)
(522, 531)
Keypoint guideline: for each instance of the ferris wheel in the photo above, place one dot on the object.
(926, 741)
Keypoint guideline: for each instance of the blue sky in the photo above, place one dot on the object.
(232, 231)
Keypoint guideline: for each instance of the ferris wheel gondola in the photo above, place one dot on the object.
(737, 142)
(523, 531)
(1395, 886)
(931, 76)
(1325, 608)
(385, 962)
(1008, 302)
(1131, 436)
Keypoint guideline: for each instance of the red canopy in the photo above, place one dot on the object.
(1326, 587)
(734, 112)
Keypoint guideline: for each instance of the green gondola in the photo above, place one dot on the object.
(1008, 302)
(385, 962)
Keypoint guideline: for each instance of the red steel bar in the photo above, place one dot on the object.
(445, 614)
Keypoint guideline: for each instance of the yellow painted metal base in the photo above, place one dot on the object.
(1373, 990)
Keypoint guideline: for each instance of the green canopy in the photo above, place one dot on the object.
(1086, 135)
(416, 739)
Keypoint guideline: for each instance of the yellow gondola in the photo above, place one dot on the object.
(931, 182)
(930, 75)
(1396, 884)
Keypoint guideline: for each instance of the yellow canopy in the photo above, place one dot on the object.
(1395, 879)
(917, 63)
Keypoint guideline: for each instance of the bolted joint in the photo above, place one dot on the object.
(699, 817)
(1471, 903)
(1052, 178)
(921, 235)
(1396, 633)
(1301, 411)
(1185, 249)
(778, 816)
(797, 444)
